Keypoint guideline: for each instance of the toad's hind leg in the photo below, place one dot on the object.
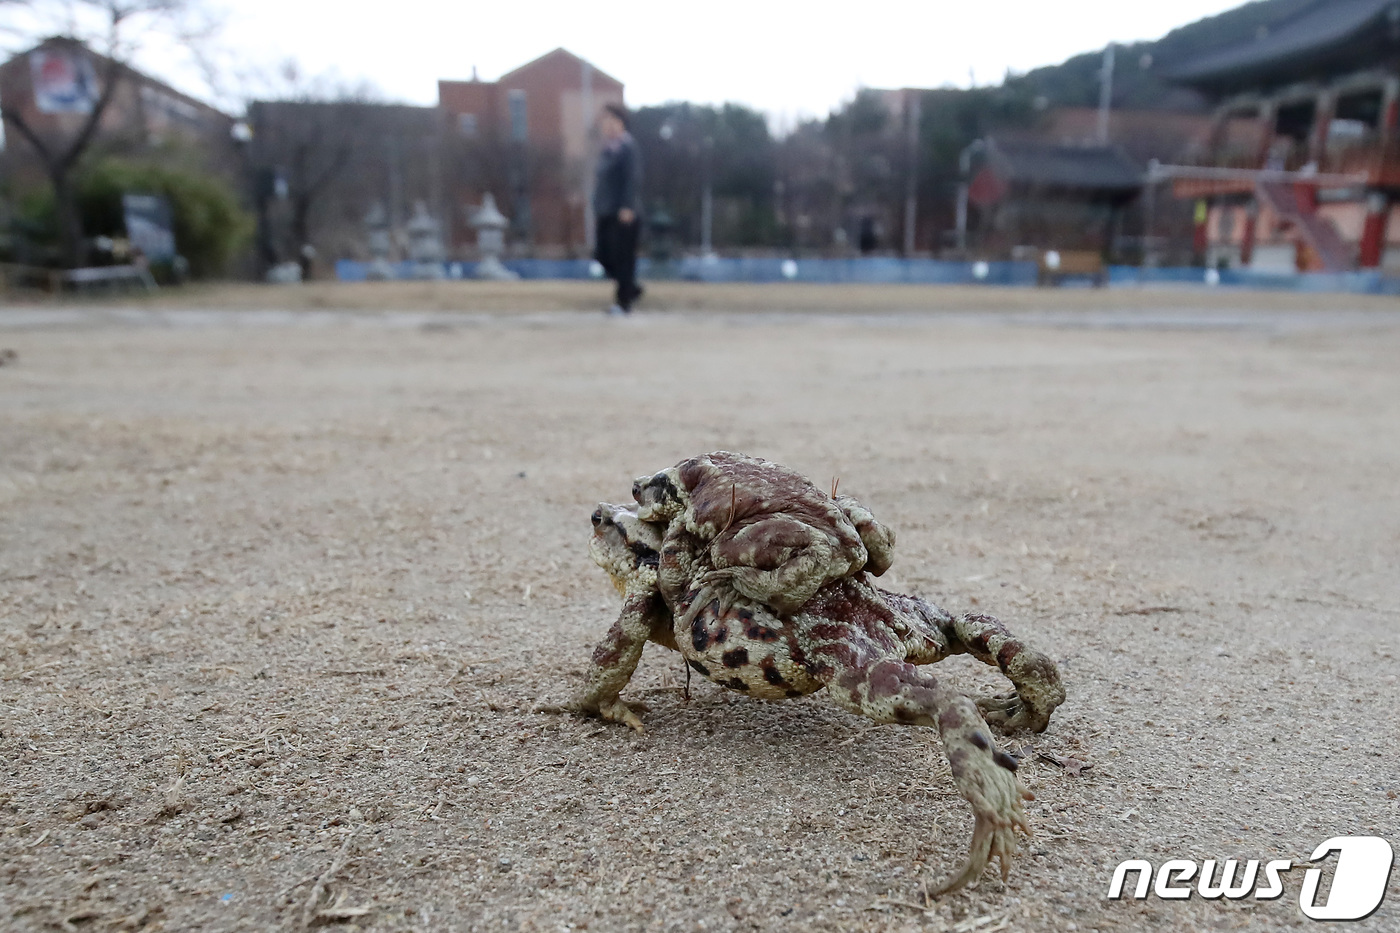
(1035, 676)
(889, 690)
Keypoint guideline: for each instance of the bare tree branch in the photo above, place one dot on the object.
(110, 32)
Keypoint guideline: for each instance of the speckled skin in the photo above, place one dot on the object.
(769, 533)
(862, 643)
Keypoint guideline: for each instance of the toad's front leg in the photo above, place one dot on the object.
(890, 690)
(615, 659)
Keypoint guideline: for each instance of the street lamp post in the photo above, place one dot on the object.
(707, 201)
(911, 193)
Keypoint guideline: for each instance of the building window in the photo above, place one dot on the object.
(519, 128)
(466, 124)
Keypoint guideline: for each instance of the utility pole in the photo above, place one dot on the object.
(1105, 93)
(911, 192)
(707, 202)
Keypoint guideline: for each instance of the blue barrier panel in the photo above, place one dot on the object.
(1167, 275)
(549, 268)
(349, 270)
(876, 270)
(865, 270)
(1365, 282)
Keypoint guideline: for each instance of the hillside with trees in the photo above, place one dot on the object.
(1139, 80)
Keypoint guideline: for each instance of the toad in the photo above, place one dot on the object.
(866, 646)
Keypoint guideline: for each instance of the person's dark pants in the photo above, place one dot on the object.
(616, 251)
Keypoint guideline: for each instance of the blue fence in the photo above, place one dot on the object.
(745, 269)
(1369, 282)
(880, 270)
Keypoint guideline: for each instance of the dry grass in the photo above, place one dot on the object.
(277, 602)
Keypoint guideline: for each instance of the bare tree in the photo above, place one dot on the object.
(105, 33)
(307, 138)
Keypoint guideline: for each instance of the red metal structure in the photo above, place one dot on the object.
(1303, 163)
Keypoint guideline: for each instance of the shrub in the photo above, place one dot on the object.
(210, 226)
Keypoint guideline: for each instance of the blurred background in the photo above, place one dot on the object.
(1013, 143)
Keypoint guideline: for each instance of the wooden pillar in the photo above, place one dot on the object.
(1307, 197)
(1268, 117)
(1322, 126)
(1390, 110)
(1201, 239)
(1215, 141)
(1251, 228)
(1373, 233)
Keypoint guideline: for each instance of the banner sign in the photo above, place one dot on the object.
(64, 82)
(150, 226)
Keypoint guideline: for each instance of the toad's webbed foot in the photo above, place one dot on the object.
(617, 711)
(1009, 713)
(613, 710)
(995, 795)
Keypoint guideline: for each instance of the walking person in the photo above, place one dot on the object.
(615, 196)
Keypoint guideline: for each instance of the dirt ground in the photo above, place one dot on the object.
(279, 594)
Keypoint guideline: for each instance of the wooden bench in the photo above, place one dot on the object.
(109, 277)
(1058, 265)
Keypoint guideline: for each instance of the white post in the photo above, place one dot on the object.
(962, 216)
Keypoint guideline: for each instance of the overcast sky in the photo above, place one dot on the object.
(789, 59)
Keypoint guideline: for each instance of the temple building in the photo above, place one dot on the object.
(1302, 166)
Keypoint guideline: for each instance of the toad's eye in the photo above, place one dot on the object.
(597, 517)
(636, 490)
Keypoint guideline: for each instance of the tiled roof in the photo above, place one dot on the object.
(1331, 35)
(1103, 168)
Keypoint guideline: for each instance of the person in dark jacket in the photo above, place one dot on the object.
(615, 195)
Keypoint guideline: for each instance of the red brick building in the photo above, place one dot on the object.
(528, 138)
(53, 86)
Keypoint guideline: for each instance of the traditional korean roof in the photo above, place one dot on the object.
(1330, 37)
(1086, 168)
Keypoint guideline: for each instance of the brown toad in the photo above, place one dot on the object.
(766, 532)
(860, 642)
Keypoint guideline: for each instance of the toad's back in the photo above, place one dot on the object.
(747, 647)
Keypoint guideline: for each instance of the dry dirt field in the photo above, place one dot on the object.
(280, 592)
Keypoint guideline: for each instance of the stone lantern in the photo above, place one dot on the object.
(490, 226)
(381, 244)
(425, 244)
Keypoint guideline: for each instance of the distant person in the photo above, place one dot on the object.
(615, 195)
(867, 241)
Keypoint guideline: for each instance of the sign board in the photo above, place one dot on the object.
(150, 226)
(64, 81)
